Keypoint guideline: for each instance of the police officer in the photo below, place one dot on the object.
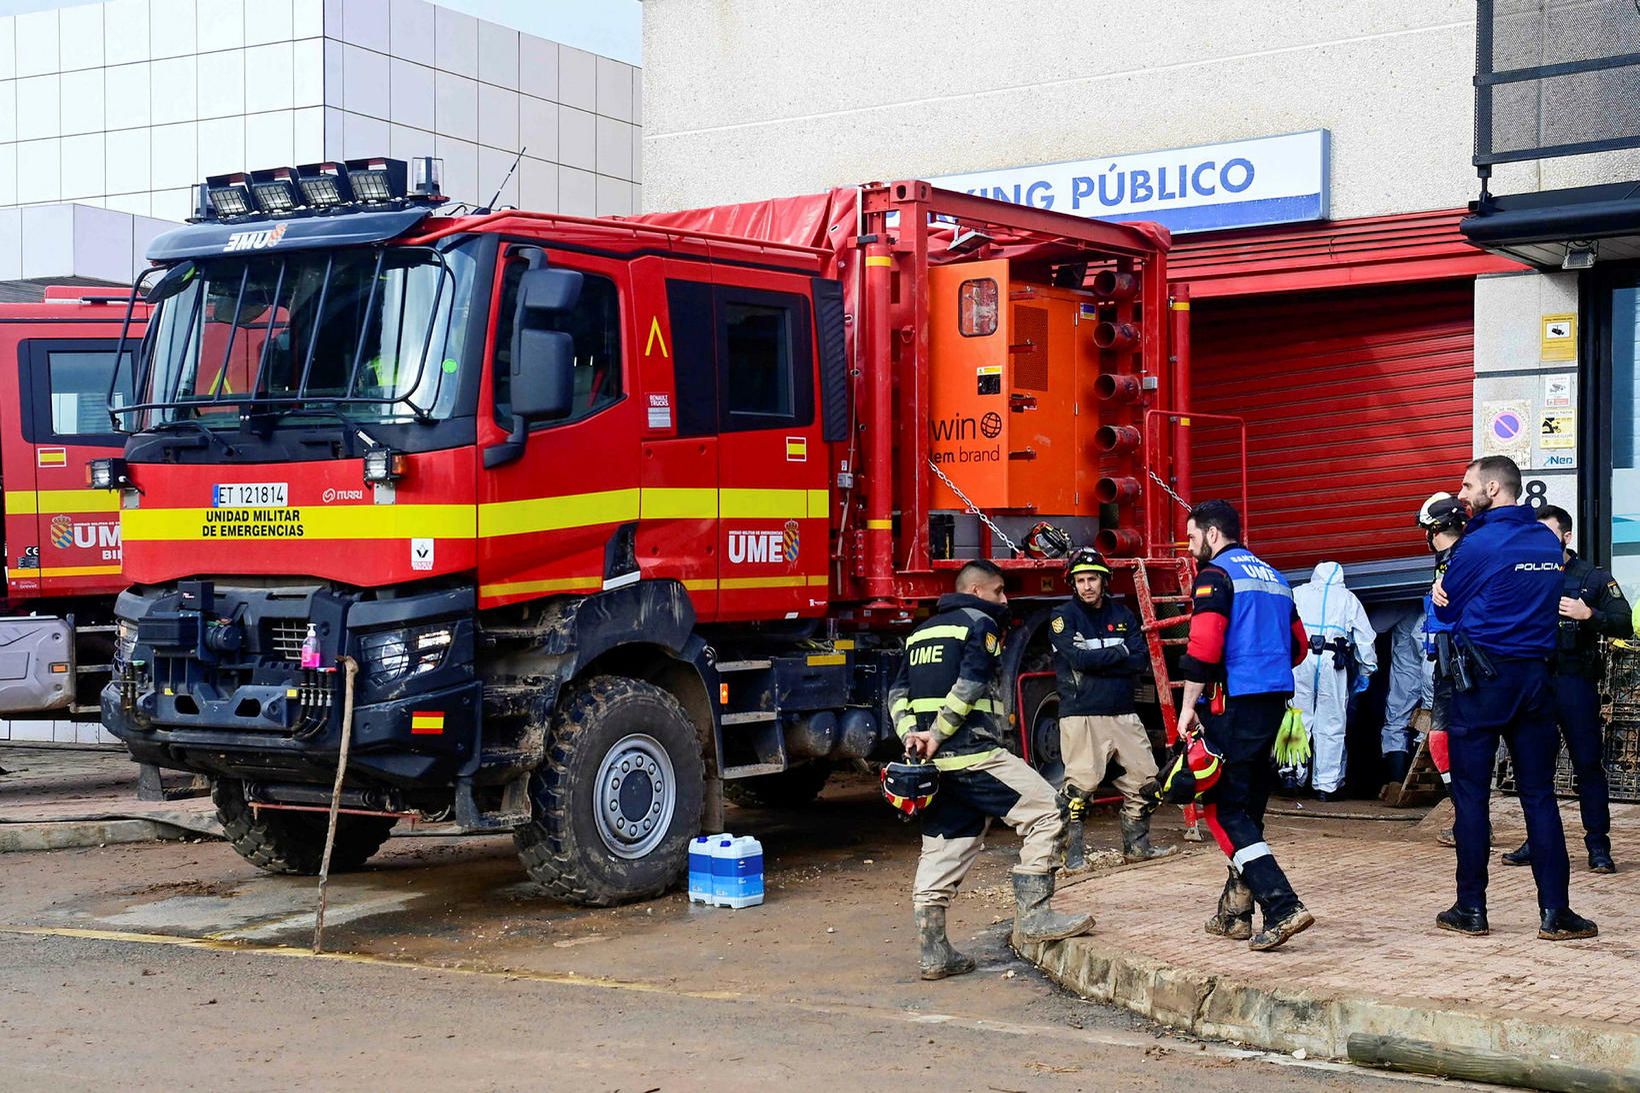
(1245, 637)
(1099, 651)
(1591, 605)
(1500, 591)
(947, 706)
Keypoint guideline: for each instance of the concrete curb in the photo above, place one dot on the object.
(1286, 1019)
(104, 831)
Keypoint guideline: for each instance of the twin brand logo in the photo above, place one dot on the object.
(256, 240)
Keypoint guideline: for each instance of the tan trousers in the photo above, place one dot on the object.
(1089, 743)
(999, 785)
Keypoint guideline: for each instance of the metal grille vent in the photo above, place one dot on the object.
(1031, 348)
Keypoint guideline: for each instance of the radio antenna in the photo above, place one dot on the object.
(489, 208)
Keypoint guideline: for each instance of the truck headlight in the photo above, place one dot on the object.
(125, 641)
(399, 654)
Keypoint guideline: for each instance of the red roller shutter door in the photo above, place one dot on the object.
(1358, 404)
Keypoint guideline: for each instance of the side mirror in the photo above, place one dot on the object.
(543, 374)
(549, 290)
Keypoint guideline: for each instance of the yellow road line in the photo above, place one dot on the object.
(224, 945)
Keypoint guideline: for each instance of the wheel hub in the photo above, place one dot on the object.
(634, 796)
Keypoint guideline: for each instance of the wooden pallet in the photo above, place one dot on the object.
(1422, 785)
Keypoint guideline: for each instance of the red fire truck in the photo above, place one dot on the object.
(62, 540)
(611, 514)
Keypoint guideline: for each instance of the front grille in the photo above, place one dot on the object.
(285, 637)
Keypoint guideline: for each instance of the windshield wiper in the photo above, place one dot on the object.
(195, 423)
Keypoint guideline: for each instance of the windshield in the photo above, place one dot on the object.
(375, 334)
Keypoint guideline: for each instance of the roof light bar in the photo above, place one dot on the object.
(377, 181)
(227, 196)
(275, 190)
(324, 185)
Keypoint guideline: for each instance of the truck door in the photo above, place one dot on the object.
(561, 517)
(772, 496)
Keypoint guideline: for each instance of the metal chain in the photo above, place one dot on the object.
(973, 508)
(1156, 478)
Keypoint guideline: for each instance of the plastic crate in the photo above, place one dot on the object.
(1622, 762)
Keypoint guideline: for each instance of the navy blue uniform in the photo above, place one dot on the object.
(1577, 705)
(1503, 594)
(1098, 655)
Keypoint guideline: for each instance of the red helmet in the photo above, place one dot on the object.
(1191, 772)
(909, 786)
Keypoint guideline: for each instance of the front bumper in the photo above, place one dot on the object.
(213, 684)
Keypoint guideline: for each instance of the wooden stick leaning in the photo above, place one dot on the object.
(351, 669)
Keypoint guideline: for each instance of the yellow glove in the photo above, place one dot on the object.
(1292, 747)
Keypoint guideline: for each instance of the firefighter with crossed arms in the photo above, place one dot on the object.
(1099, 651)
(947, 707)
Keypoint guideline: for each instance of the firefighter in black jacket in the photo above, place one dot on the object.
(1099, 651)
(947, 706)
(1591, 606)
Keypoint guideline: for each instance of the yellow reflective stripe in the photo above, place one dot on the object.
(932, 633)
(962, 762)
(945, 726)
(345, 522)
(935, 705)
(678, 504)
(555, 584)
(74, 571)
(879, 525)
(30, 502)
(731, 584)
(879, 260)
(771, 504)
(823, 660)
(554, 513)
(905, 725)
(900, 705)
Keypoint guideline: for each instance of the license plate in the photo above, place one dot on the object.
(251, 495)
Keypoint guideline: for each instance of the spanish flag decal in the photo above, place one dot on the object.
(797, 449)
(52, 457)
(426, 723)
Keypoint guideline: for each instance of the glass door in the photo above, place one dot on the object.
(1621, 410)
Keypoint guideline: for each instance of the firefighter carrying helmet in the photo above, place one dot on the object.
(1085, 560)
(1192, 770)
(909, 786)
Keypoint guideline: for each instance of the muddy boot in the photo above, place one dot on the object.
(937, 958)
(1034, 920)
(1276, 934)
(1136, 841)
(1073, 810)
(1235, 914)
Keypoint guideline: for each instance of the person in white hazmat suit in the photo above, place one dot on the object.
(1339, 633)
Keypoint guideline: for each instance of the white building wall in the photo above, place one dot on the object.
(758, 98)
(124, 105)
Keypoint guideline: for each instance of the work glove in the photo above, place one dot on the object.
(1362, 681)
(1292, 740)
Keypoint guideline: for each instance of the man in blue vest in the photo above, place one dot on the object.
(1245, 637)
(1501, 592)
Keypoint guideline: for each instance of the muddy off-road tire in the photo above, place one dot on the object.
(294, 842)
(617, 798)
(789, 789)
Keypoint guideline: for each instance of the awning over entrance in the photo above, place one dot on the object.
(1536, 228)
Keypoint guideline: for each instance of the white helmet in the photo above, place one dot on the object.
(1442, 512)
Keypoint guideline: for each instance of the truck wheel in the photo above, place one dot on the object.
(294, 842)
(617, 798)
(788, 789)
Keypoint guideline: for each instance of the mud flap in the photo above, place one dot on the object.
(36, 665)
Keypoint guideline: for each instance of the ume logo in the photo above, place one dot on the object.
(756, 546)
(256, 240)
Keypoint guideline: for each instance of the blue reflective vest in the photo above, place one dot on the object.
(1258, 647)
